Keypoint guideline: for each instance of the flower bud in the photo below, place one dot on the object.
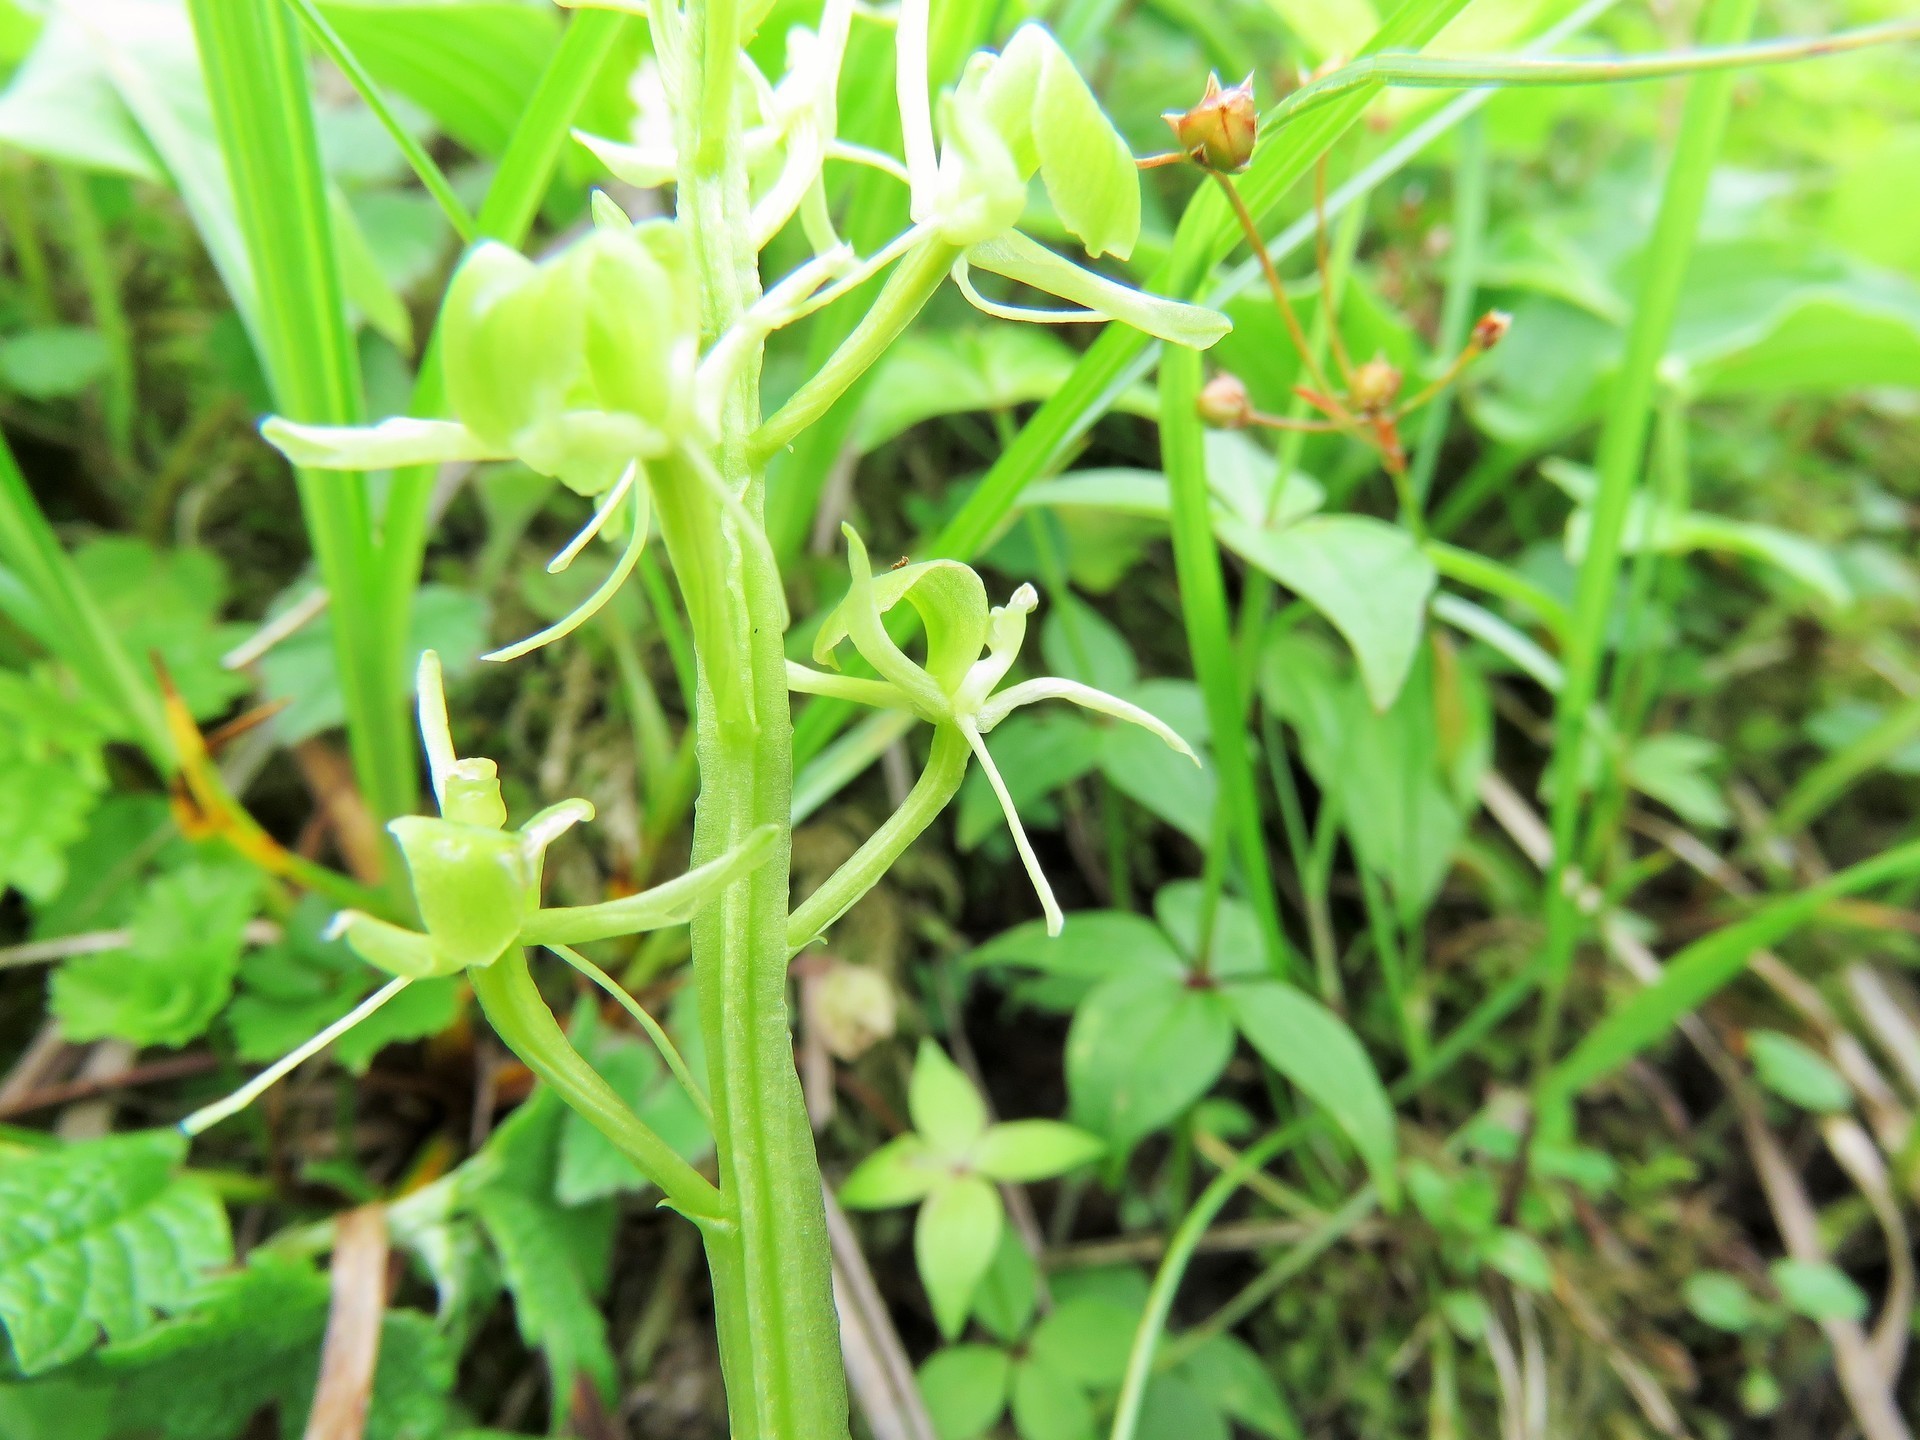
(475, 887)
(1224, 402)
(1490, 329)
(512, 343)
(640, 341)
(1376, 385)
(1219, 132)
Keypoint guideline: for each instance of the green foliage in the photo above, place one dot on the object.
(178, 968)
(50, 746)
(304, 982)
(96, 1240)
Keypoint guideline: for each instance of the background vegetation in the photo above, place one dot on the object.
(1649, 590)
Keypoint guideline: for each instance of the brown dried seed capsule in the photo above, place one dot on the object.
(1376, 385)
(1490, 329)
(1224, 403)
(1219, 132)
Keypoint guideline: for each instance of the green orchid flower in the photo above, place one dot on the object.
(970, 648)
(476, 885)
(1025, 112)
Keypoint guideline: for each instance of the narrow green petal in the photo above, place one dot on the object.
(1027, 692)
(1049, 906)
(1018, 258)
(388, 445)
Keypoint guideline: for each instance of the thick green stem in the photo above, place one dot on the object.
(907, 291)
(773, 1296)
(517, 1012)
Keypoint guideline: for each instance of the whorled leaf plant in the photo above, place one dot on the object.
(628, 366)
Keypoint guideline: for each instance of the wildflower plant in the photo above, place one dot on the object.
(627, 366)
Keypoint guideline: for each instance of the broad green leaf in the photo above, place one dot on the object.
(1313, 1048)
(1232, 933)
(965, 1388)
(53, 363)
(96, 1239)
(1173, 1409)
(1818, 1291)
(900, 1172)
(1229, 1373)
(302, 669)
(1368, 578)
(62, 105)
(1158, 778)
(472, 66)
(1079, 643)
(947, 1111)
(1021, 1151)
(1328, 28)
(1797, 1072)
(1087, 1338)
(1142, 1048)
(590, 1167)
(1096, 945)
(1049, 1405)
(1009, 1292)
(954, 1238)
(1518, 1256)
(300, 985)
(1720, 1300)
(972, 370)
(179, 965)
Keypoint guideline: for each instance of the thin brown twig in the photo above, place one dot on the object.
(1298, 336)
(1323, 262)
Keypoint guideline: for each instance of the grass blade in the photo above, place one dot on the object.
(1622, 446)
(257, 85)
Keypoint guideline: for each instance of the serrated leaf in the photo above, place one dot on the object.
(50, 752)
(590, 1167)
(290, 990)
(954, 1238)
(1315, 1050)
(252, 1338)
(168, 601)
(552, 1257)
(179, 965)
(965, 1389)
(96, 1238)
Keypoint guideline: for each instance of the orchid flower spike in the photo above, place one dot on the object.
(970, 648)
(476, 885)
